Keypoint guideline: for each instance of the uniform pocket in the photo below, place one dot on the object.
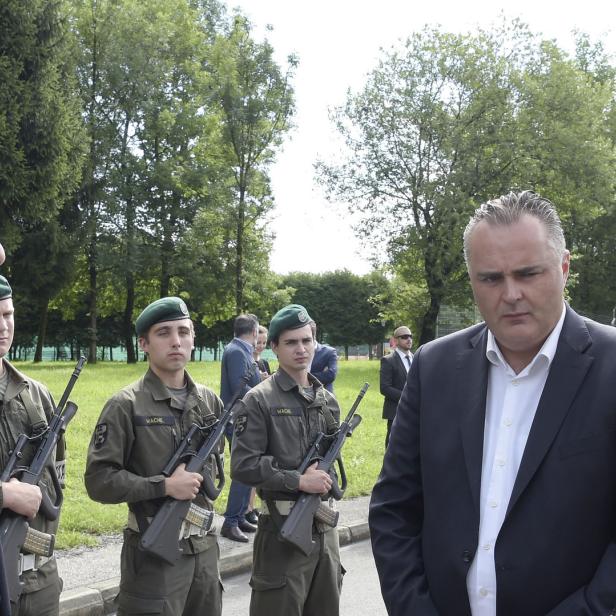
(286, 440)
(260, 582)
(133, 604)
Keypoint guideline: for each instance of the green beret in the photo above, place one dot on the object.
(292, 316)
(5, 289)
(163, 309)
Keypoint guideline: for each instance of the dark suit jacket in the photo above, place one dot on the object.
(237, 360)
(556, 552)
(393, 378)
(325, 365)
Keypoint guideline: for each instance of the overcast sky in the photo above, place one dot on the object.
(338, 42)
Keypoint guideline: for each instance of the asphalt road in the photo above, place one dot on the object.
(360, 592)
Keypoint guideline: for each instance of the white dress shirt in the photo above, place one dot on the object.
(511, 403)
(405, 362)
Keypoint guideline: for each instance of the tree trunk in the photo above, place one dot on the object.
(239, 261)
(435, 289)
(93, 296)
(428, 325)
(90, 201)
(129, 306)
(40, 342)
(127, 320)
(346, 351)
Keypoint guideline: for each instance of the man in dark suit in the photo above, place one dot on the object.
(498, 489)
(237, 361)
(324, 365)
(394, 368)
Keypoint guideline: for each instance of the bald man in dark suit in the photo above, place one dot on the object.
(394, 368)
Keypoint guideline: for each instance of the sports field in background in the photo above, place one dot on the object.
(84, 520)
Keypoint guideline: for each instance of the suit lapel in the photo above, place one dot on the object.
(472, 380)
(567, 373)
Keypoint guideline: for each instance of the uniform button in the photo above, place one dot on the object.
(493, 504)
(487, 546)
(483, 592)
(500, 462)
(515, 383)
(508, 421)
(466, 556)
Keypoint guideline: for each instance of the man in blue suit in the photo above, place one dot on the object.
(325, 364)
(237, 361)
(497, 495)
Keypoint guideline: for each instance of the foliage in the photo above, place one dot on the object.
(40, 128)
(184, 114)
(448, 121)
(256, 101)
(40, 143)
(346, 307)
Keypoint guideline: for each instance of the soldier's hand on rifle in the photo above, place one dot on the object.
(314, 481)
(22, 498)
(183, 485)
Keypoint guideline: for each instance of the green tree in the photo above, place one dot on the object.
(256, 102)
(40, 144)
(423, 139)
(448, 121)
(347, 308)
(40, 125)
(143, 82)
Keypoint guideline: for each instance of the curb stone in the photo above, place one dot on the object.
(98, 599)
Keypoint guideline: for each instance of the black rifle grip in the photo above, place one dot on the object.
(210, 490)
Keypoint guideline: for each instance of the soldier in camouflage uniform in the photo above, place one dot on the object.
(137, 433)
(276, 424)
(26, 409)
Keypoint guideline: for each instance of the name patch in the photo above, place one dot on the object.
(285, 411)
(154, 420)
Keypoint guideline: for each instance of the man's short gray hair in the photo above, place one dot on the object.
(509, 209)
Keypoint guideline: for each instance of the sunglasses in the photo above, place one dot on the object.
(406, 337)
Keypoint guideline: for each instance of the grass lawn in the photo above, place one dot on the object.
(84, 520)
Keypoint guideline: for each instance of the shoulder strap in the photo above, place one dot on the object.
(330, 420)
(36, 416)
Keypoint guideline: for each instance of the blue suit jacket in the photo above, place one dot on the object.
(325, 365)
(236, 361)
(556, 551)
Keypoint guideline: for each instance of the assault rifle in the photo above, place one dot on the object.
(297, 528)
(16, 536)
(162, 537)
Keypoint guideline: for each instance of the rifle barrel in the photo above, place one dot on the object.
(360, 395)
(71, 383)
